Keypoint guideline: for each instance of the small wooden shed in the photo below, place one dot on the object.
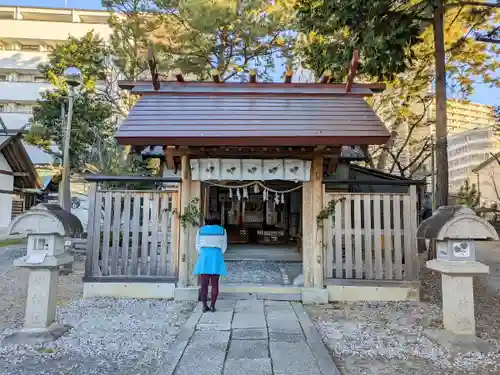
(249, 139)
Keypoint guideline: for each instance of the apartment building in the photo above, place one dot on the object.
(472, 137)
(467, 150)
(27, 36)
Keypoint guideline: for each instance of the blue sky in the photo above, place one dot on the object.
(483, 93)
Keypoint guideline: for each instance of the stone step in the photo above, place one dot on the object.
(247, 292)
(263, 292)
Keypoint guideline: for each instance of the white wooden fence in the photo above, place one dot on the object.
(132, 233)
(372, 236)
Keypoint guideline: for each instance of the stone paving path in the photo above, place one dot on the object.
(250, 337)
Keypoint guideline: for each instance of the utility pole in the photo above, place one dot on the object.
(441, 116)
(73, 78)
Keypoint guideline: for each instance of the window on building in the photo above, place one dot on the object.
(39, 79)
(30, 47)
(25, 78)
(3, 108)
(24, 108)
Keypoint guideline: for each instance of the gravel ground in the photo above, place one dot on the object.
(14, 283)
(408, 338)
(109, 336)
(253, 271)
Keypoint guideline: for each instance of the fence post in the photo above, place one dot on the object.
(90, 229)
(414, 224)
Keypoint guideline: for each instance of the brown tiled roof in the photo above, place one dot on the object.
(252, 115)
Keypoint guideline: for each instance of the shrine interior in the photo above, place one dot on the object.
(260, 223)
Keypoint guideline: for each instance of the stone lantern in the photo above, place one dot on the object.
(455, 230)
(45, 226)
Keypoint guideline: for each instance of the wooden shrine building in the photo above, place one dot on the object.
(258, 154)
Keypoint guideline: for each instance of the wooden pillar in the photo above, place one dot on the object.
(307, 234)
(191, 252)
(312, 236)
(317, 206)
(184, 232)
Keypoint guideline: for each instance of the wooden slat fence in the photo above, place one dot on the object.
(132, 233)
(372, 236)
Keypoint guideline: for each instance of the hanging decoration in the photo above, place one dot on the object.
(277, 198)
(250, 169)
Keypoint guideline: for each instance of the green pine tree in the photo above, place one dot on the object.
(468, 195)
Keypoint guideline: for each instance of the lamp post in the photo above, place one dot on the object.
(73, 77)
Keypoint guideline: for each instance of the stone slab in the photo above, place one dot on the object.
(458, 344)
(129, 290)
(237, 296)
(315, 342)
(353, 293)
(276, 304)
(285, 324)
(314, 296)
(293, 358)
(254, 306)
(37, 336)
(457, 267)
(213, 327)
(207, 351)
(219, 317)
(280, 296)
(248, 349)
(249, 334)
(280, 336)
(249, 320)
(176, 349)
(248, 366)
(186, 294)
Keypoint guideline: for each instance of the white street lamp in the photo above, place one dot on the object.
(73, 77)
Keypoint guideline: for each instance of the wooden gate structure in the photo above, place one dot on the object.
(132, 234)
(372, 236)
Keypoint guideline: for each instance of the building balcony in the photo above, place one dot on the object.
(22, 61)
(33, 32)
(22, 92)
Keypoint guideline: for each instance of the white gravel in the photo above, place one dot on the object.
(110, 336)
(395, 338)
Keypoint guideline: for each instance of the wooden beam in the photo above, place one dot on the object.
(288, 74)
(352, 71)
(375, 87)
(169, 157)
(215, 75)
(332, 164)
(20, 174)
(6, 173)
(153, 69)
(325, 78)
(253, 76)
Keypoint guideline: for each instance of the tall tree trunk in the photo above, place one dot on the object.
(441, 121)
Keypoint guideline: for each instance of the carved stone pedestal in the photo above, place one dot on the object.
(40, 314)
(458, 294)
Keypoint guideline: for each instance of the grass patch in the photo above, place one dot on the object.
(11, 242)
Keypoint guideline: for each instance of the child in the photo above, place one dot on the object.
(211, 244)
